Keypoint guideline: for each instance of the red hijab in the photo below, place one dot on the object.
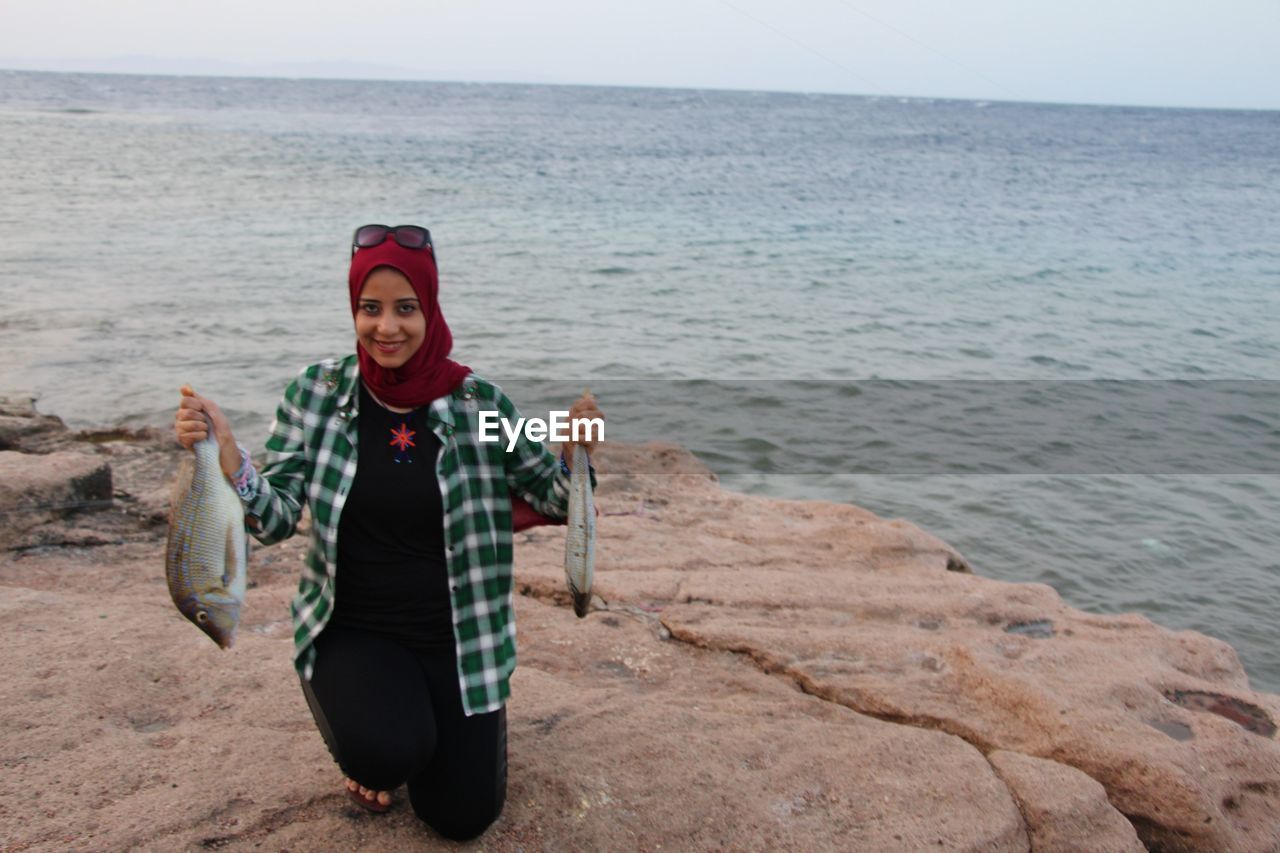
(429, 373)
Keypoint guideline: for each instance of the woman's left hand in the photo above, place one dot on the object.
(584, 408)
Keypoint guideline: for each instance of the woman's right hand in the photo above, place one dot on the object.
(195, 416)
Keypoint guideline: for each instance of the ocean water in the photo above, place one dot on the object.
(159, 230)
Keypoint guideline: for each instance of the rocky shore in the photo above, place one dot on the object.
(757, 674)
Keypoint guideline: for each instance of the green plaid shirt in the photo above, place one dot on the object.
(311, 459)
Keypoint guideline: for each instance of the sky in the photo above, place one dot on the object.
(1185, 53)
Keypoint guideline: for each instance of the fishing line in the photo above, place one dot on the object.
(931, 48)
(96, 504)
(804, 46)
(881, 90)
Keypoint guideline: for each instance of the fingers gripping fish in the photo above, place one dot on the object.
(207, 551)
(580, 540)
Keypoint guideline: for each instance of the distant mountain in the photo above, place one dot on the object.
(336, 70)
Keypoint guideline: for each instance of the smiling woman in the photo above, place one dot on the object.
(407, 674)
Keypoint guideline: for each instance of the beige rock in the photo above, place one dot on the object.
(863, 612)
(758, 674)
(1062, 806)
(139, 733)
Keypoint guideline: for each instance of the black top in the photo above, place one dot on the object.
(392, 575)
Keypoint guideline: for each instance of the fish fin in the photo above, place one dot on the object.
(229, 559)
(236, 568)
(180, 489)
(181, 483)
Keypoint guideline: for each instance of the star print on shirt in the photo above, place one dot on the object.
(402, 438)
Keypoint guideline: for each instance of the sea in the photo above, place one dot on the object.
(769, 266)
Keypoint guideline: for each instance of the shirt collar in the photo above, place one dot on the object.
(348, 383)
(442, 408)
(441, 411)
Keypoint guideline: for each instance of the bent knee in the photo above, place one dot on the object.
(459, 827)
(459, 821)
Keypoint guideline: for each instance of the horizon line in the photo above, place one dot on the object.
(252, 72)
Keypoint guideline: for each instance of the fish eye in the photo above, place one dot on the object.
(202, 616)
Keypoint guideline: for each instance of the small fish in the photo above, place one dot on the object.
(580, 540)
(208, 550)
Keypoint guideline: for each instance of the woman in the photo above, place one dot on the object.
(407, 671)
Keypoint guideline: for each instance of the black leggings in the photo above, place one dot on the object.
(392, 716)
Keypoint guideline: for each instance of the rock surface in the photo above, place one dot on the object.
(24, 429)
(757, 673)
(38, 489)
(1061, 805)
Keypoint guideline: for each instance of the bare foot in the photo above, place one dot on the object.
(382, 798)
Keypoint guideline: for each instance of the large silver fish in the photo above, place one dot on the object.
(208, 550)
(580, 540)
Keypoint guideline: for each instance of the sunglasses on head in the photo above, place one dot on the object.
(409, 236)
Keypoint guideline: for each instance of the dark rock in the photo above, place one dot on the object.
(24, 429)
(36, 489)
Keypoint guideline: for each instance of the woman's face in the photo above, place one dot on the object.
(390, 324)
